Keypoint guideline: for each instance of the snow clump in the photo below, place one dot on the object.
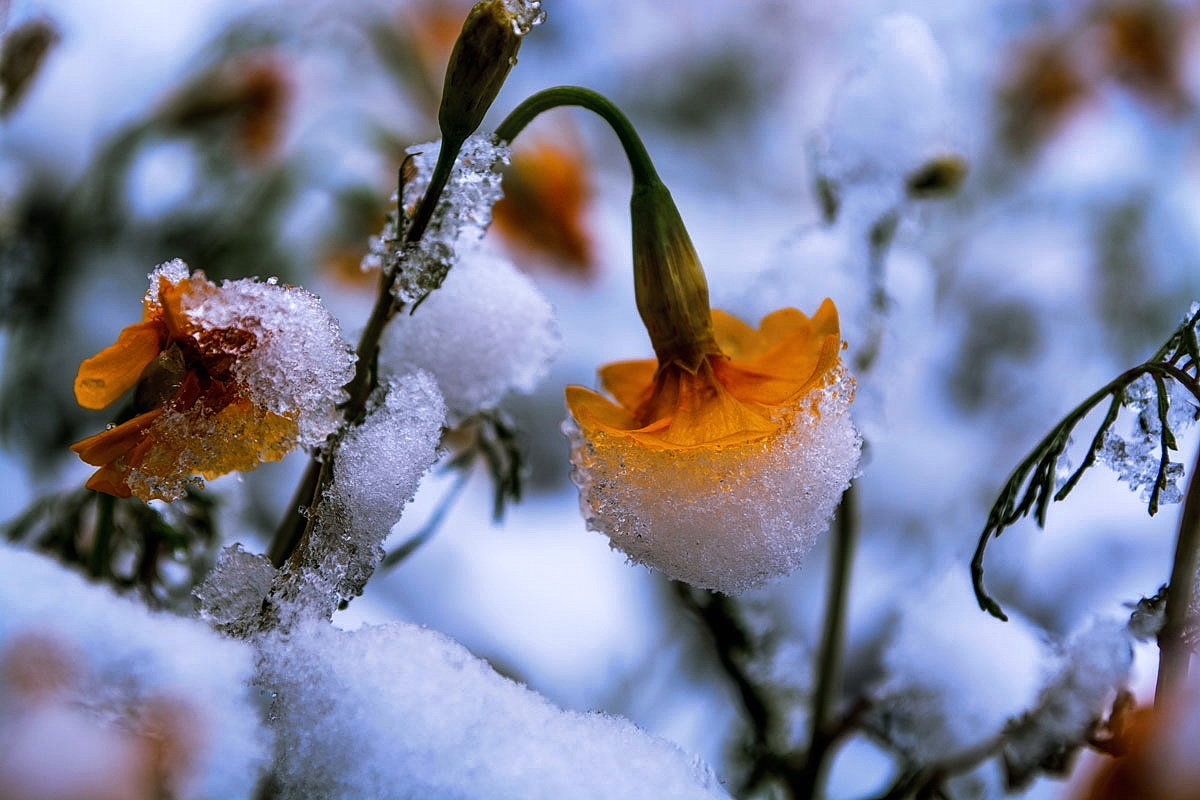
(485, 332)
(727, 518)
(398, 711)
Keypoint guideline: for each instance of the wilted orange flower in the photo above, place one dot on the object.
(738, 395)
(207, 401)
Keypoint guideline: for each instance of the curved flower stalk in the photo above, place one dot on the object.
(225, 377)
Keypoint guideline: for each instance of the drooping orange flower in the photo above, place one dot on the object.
(211, 397)
(742, 394)
(720, 461)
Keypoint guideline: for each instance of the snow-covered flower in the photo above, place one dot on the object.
(721, 461)
(226, 377)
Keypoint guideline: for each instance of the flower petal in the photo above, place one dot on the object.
(629, 382)
(107, 446)
(110, 373)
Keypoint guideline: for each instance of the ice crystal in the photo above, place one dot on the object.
(234, 590)
(376, 473)
(487, 331)
(724, 517)
(462, 215)
(526, 14)
(399, 711)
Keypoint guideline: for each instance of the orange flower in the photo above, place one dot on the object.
(546, 194)
(209, 366)
(721, 461)
(743, 394)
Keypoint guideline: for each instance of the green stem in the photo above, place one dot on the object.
(829, 658)
(635, 151)
(1174, 651)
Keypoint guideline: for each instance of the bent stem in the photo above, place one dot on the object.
(1174, 651)
(635, 151)
(829, 658)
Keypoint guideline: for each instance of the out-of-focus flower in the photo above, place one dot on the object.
(250, 93)
(546, 196)
(720, 462)
(1160, 758)
(226, 377)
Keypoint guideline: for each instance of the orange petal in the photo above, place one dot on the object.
(825, 321)
(593, 410)
(110, 481)
(629, 382)
(736, 338)
(110, 373)
(107, 446)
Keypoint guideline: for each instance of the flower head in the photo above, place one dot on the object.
(721, 461)
(225, 377)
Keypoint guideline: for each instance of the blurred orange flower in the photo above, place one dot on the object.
(196, 414)
(743, 394)
(546, 196)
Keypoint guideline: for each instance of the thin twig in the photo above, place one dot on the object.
(1174, 651)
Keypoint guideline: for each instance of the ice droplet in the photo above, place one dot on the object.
(526, 14)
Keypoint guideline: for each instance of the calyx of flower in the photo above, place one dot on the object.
(669, 283)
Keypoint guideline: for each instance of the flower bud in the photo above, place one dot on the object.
(483, 55)
(672, 293)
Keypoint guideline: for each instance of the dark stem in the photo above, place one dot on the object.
(1174, 651)
(635, 151)
(98, 565)
(829, 658)
(294, 527)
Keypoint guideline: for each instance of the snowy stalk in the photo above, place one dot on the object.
(483, 55)
(829, 657)
(1174, 650)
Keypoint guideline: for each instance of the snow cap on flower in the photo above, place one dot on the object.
(225, 377)
(720, 462)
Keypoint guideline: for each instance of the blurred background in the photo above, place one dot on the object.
(1003, 198)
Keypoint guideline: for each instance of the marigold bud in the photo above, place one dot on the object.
(483, 55)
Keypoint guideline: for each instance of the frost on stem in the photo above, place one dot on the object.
(375, 474)
(1094, 665)
(1135, 457)
(461, 218)
(487, 331)
(399, 711)
(234, 589)
(101, 698)
(728, 517)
